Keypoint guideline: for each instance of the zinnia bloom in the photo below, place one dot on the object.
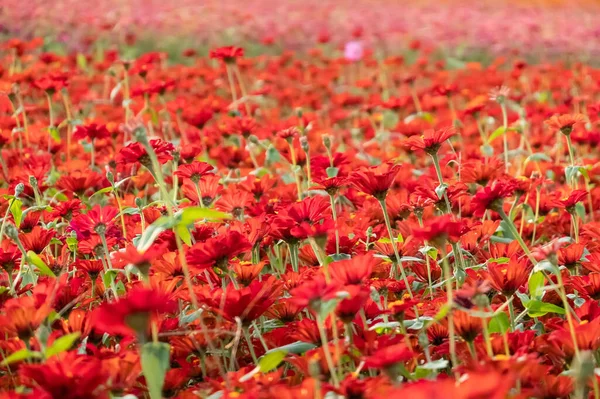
(228, 54)
(133, 313)
(565, 122)
(430, 141)
(135, 152)
(375, 181)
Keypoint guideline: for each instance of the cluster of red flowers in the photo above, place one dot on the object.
(297, 227)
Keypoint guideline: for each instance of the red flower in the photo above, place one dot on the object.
(247, 303)
(389, 356)
(430, 141)
(572, 200)
(565, 122)
(93, 131)
(217, 251)
(98, 220)
(313, 293)
(508, 277)
(194, 171)
(375, 181)
(439, 230)
(353, 271)
(227, 54)
(132, 256)
(491, 198)
(135, 152)
(133, 313)
(67, 376)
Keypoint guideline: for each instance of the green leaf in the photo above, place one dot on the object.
(390, 119)
(499, 323)
(571, 172)
(17, 211)
(297, 348)
(109, 277)
(62, 344)
(271, 360)
(536, 308)
(54, 133)
(536, 285)
(192, 214)
(435, 365)
(441, 190)
(496, 133)
(21, 355)
(184, 233)
(34, 259)
(81, 61)
(155, 364)
(442, 312)
(153, 231)
(538, 156)
(332, 171)
(72, 243)
(486, 150)
(327, 307)
(102, 191)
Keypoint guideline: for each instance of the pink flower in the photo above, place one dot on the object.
(353, 51)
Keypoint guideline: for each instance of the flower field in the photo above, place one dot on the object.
(314, 211)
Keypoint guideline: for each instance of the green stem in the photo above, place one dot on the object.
(394, 246)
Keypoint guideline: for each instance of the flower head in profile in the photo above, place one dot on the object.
(499, 94)
(92, 131)
(571, 201)
(565, 122)
(430, 141)
(491, 197)
(227, 54)
(440, 229)
(135, 152)
(375, 181)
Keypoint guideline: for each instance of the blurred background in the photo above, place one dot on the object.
(466, 29)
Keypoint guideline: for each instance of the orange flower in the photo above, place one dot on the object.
(565, 122)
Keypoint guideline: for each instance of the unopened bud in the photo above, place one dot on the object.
(33, 181)
(138, 202)
(110, 177)
(327, 141)
(304, 144)
(11, 232)
(19, 189)
(253, 140)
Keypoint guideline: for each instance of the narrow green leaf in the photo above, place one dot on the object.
(297, 348)
(17, 211)
(271, 360)
(332, 171)
(62, 344)
(536, 283)
(192, 214)
(183, 233)
(36, 261)
(499, 323)
(155, 364)
(496, 133)
(153, 231)
(537, 308)
(21, 355)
